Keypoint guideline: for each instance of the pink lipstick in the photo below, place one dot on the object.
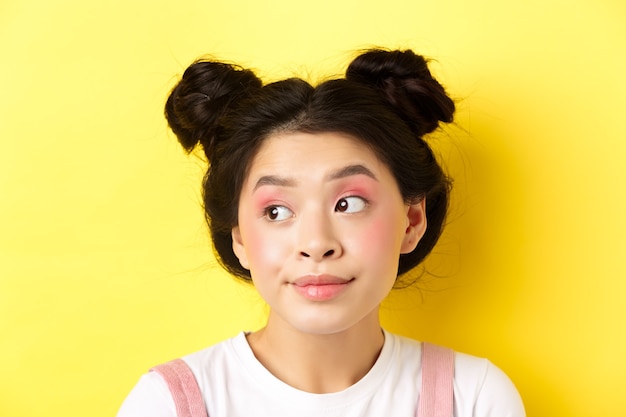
(320, 287)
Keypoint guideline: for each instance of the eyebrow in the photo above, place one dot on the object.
(274, 180)
(348, 171)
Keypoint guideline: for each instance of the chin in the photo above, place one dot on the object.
(326, 323)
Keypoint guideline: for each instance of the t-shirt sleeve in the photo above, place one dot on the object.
(149, 398)
(497, 396)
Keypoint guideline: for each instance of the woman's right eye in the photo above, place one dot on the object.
(278, 213)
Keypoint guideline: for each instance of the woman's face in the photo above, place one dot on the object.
(321, 227)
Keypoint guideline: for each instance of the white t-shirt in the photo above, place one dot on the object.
(235, 384)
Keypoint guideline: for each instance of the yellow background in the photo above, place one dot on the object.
(104, 260)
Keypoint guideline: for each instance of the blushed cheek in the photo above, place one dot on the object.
(253, 241)
(262, 250)
(379, 236)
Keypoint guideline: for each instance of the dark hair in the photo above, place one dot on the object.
(388, 99)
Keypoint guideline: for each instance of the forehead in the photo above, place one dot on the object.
(295, 151)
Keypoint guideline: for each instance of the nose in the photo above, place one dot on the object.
(317, 238)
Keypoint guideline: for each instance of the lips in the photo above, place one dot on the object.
(319, 280)
(320, 287)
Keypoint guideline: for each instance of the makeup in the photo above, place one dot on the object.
(320, 287)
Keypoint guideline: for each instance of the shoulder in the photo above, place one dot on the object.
(151, 395)
(481, 389)
(485, 388)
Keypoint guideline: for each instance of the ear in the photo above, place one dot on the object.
(416, 219)
(239, 248)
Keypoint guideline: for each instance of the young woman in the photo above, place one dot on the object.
(321, 197)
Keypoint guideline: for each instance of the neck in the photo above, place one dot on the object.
(318, 363)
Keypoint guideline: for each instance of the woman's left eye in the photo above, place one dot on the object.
(350, 204)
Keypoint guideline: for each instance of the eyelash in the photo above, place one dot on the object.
(267, 212)
(362, 200)
(275, 210)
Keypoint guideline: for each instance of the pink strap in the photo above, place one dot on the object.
(437, 396)
(184, 388)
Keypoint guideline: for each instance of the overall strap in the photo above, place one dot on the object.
(184, 388)
(436, 397)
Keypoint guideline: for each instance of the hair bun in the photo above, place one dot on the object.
(403, 79)
(201, 97)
